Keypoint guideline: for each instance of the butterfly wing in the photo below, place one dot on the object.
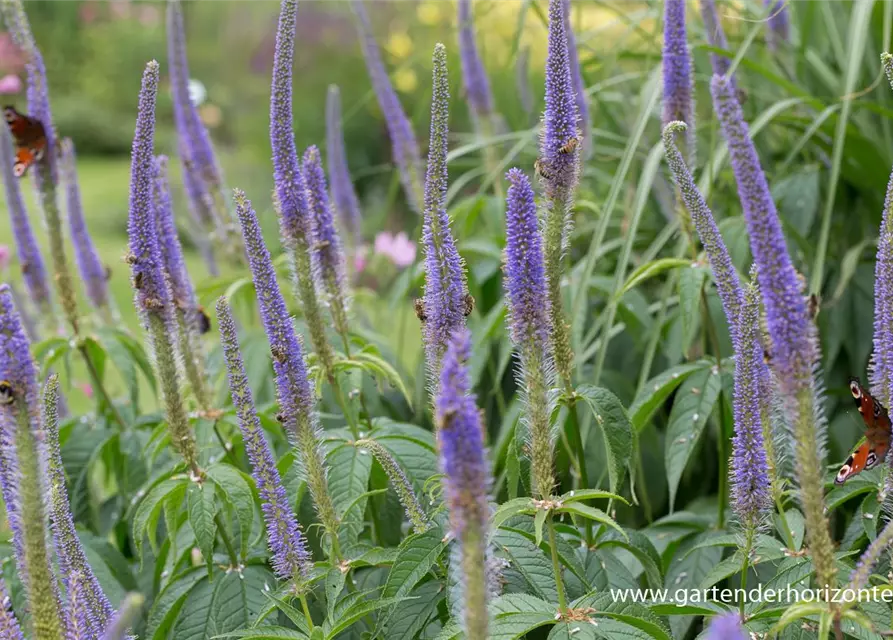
(30, 139)
(877, 433)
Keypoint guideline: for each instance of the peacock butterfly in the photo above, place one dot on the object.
(877, 433)
(30, 139)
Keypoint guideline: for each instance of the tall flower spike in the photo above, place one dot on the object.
(21, 473)
(296, 402)
(34, 272)
(291, 559)
(189, 315)
(716, 37)
(196, 150)
(153, 297)
(404, 146)
(94, 273)
(467, 479)
(474, 75)
(882, 354)
(127, 615)
(526, 294)
(559, 168)
(343, 195)
(779, 23)
(405, 491)
(291, 195)
(793, 349)
(677, 99)
(327, 255)
(45, 172)
(9, 626)
(446, 301)
(749, 469)
(726, 627)
(74, 567)
(573, 58)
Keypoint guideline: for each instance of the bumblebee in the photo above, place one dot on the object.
(278, 354)
(541, 168)
(138, 280)
(7, 396)
(421, 314)
(202, 320)
(469, 304)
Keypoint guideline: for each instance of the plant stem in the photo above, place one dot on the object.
(100, 388)
(306, 609)
(224, 537)
(577, 444)
(345, 408)
(556, 564)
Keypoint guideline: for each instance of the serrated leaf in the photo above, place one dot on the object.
(640, 546)
(384, 370)
(237, 491)
(265, 633)
(347, 487)
(510, 509)
(692, 407)
(797, 198)
(202, 507)
(691, 281)
(168, 603)
(686, 572)
(332, 628)
(650, 270)
(616, 431)
(412, 615)
(579, 495)
(335, 579)
(149, 509)
(658, 389)
(591, 513)
(415, 557)
(529, 560)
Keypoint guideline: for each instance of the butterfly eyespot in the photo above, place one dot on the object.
(877, 410)
(870, 461)
(6, 393)
(280, 417)
(855, 388)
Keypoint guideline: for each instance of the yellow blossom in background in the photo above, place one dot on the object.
(399, 44)
(406, 80)
(428, 13)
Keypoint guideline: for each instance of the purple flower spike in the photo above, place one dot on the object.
(793, 353)
(343, 195)
(677, 99)
(34, 271)
(9, 626)
(171, 250)
(446, 293)
(749, 468)
(715, 36)
(290, 556)
(525, 269)
(404, 145)
(474, 75)
(94, 273)
(119, 627)
(561, 120)
(577, 79)
(152, 293)
(779, 23)
(726, 627)
(467, 479)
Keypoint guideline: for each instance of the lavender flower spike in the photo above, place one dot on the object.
(404, 145)
(793, 348)
(291, 560)
(474, 75)
(153, 297)
(749, 467)
(296, 402)
(716, 37)
(528, 303)
(33, 269)
(467, 479)
(94, 273)
(21, 473)
(327, 254)
(573, 59)
(726, 627)
(9, 626)
(882, 354)
(559, 169)
(189, 315)
(343, 195)
(119, 627)
(446, 301)
(74, 567)
(677, 99)
(779, 23)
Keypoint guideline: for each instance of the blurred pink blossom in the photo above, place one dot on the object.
(398, 248)
(4, 257)
(11, 83)
(86, 388)
(360, 258)
(12, 60)
(89, 12)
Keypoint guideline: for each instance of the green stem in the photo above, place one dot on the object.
(227, 542)
(227, 450)
(782, 514)
(345, 408)
(100, 388)
(306, 609)
(577, 445)
(556, 565)
(748, 545)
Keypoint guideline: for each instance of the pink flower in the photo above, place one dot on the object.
(360, 258)
(10, 84)
(398, 249)
(86, 388)
(4, 257)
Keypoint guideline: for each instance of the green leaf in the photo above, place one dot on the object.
(516, 614)
(168, 603)
(650, 270)
(347, 487)
(640, 545)
(335, 579)
(239, 495)
(412, 615)
(579, 495)
(149, 509)
(416, 556)
(332, 628)
(264, 633)
(511, 508)
(123, 361)
(633, 614)
(202, 508)
(538, 520)
(686, 572)
(797, 198)
(691, 281)
(693, 405)
(615, 428)
(591, 513)
(529, 560)
(658, 389)
(383, 370)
